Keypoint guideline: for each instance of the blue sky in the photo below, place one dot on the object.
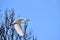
(44, 16)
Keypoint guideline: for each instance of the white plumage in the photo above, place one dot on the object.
(17, 25)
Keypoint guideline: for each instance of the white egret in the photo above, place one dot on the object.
(17, 25)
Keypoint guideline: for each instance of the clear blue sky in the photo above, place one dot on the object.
(44, 16)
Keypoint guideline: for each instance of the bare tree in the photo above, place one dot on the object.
(7, 31)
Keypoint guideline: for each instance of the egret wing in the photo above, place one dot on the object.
(19, 29)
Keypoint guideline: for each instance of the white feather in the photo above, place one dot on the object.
(17, 25)
(18, 29)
